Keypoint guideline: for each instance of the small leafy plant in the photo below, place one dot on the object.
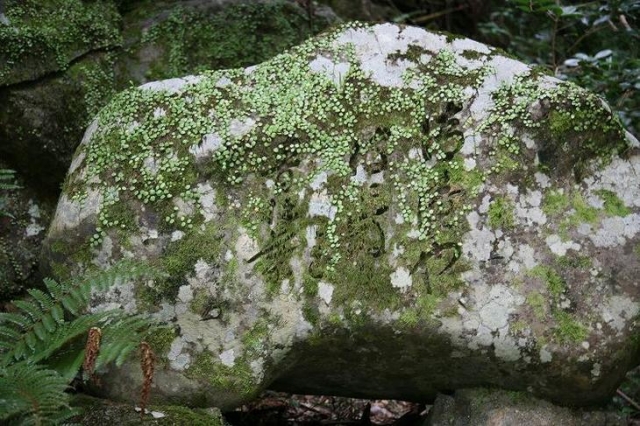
(42, 345)
(7, 182)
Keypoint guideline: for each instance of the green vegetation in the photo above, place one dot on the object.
(568, 329)
(555, 284)
(555, 203)
(42, 344)
(6, 183)
(46, 35)
(594, 44)
(612, 204)
(538, 304)
(501, 213)
(238, 36)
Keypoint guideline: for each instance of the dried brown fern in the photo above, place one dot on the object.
(91, 350)
(147, 363)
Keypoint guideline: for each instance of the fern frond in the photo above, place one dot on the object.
(120, 337)
(40, 324)
(47, 328)
(7, 177)
(32, 395)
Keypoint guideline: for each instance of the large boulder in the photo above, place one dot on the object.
(380, 212)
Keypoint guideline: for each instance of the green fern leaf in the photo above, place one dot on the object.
(44, 300)
(28, 307)
(40, 331)
(9, 317)
(57, 313)
(7, 334)
(49, 322)
(31, 394)
(40, 334)
(30, 338)
(71, 305)
(54, 288)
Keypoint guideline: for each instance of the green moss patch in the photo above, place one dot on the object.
(613, 205)
(568, 329)
(501, 213)
(555, 283)
(239, 35)
(555, 203)
(46, 35)
(538, 304)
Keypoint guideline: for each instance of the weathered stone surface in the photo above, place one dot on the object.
(381, 212)
(24, 217)
(492, 407)
(41, 122)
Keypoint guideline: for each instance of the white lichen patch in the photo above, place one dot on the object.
(257, 368)
(172, 85)
(34, 228)
(334, 72)
(185, 294)
(240, 127)
(618, 311)
(478, 242)
(542, 180)
(320, 205)
(528, 209)
(620, 178)
(104, 255)
(523, 259)
(119, 296)
(210, 143)
(228, 357)
(207, 199)
(179, 358)
(373, 46)
(325, 292)
(559, 247)
(401, 279)
(545, 355)
(70, 214)
(505, 70)
(310, 234)
(615, 231)
(246, 247)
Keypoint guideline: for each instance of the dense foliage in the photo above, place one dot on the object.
(42, 344)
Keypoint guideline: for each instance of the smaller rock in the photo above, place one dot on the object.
(500, 408)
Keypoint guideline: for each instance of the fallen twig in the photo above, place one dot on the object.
(628, 399)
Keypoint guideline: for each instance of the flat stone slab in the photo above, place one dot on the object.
(381, 212)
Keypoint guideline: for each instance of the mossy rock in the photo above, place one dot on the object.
(22, 230)
(41, 37)
(100, 412)
(63, 60)
(494, 406)
(372, 203)
(171, 39)
(42, 121)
